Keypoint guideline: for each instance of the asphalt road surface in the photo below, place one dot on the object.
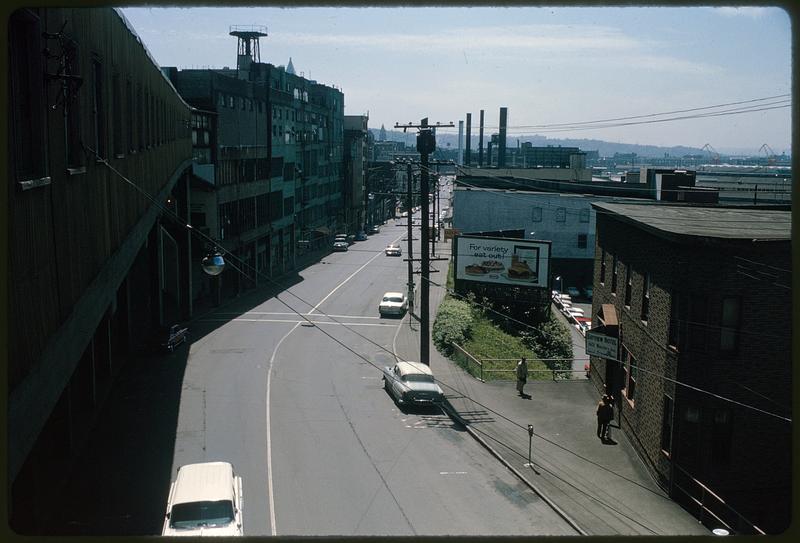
(301, 413)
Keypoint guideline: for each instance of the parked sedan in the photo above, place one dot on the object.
(394, 250)
(340, 245)
(361, 236)
(374, 229)
(393, 303)
(412, 383)
(173, 336)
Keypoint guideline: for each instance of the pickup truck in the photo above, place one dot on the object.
(174, 336)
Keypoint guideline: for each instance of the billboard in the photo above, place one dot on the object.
(508, 261)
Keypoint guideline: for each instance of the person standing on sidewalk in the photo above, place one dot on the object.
(522, 375)
(605, 411)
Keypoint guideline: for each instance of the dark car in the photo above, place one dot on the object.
(374, 229)
(361, 236)
(173, 336)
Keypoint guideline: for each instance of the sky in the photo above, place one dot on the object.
(547, 65)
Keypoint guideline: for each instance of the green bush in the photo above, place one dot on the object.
(453, 324)
(551, 339)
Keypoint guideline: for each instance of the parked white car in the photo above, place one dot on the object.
(572, 313)
(393, 250)
(412, 382)
(393, 303)
(205, 499)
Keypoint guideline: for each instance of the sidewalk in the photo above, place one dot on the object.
(601, 489)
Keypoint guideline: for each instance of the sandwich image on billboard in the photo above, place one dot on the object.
(502, 260)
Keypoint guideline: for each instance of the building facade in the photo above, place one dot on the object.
(353, 213)
(702, 379)
(99, 162)
(269, 147)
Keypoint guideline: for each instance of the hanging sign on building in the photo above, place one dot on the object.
(599, 344)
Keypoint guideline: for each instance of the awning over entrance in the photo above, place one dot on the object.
(608, 316)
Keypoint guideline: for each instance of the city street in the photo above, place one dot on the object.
(301, 413)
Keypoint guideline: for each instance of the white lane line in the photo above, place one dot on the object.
(348, 278)
(270, 492)
(452, 473)
(277, 313)
(270, 486)
(345, 324)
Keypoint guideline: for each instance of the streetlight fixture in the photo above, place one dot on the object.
(561, 284)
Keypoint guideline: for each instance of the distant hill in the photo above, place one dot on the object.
(604, 148)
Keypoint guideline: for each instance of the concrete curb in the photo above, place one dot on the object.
(453, 414)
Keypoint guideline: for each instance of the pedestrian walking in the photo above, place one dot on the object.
(522, 375)
(605, 412)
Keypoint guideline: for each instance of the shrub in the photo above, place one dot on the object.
(551, 339)
(453, 324)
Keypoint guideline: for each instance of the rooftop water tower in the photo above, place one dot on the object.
(249, 50)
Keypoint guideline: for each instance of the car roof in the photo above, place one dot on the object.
(207, 481)
(393, 294)
(413, 367)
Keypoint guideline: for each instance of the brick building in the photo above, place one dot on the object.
(698, 298)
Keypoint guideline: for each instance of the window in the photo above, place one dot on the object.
(666, 426)
(288, 205)
(584, 215)
(628, 285)
(730, 324)
(603, 267)
(698, 322)
(130, 115)
(116, 89)
(614, 274)
(646, 297)
(721, 436)
(27, 104)
(221, 100)
(561, 214)
(98, 114)
(536, 214)
(231, 103)
(631, 374)
(75, 156)
(582, 241)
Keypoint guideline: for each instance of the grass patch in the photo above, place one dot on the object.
(487, 341)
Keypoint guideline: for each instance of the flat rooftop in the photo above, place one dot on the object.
(711, 222)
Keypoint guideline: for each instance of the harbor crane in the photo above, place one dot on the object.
(712, 152)
(771, 157)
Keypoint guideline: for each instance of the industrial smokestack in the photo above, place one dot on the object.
(480, 143)
(460, 143)
(501, 145)
(467, 154)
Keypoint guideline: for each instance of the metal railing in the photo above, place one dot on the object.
(481, 368)
(709, 508)
(467, 361)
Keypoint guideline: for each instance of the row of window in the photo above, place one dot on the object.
(561, 214)
(689, 314)
(245, 214)
(137, 117)
(239, 102)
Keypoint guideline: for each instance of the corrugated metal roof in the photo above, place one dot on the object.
(208, 481)
(711, 222)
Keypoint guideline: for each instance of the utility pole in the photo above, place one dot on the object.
(409, 196)
(426, 144)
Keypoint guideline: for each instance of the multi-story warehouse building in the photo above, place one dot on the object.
(271, 147)
(354, 190)
(697, 298)
(99, 148)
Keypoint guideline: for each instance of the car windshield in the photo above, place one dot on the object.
(392, 299)
(207, 513)
(418, 378)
